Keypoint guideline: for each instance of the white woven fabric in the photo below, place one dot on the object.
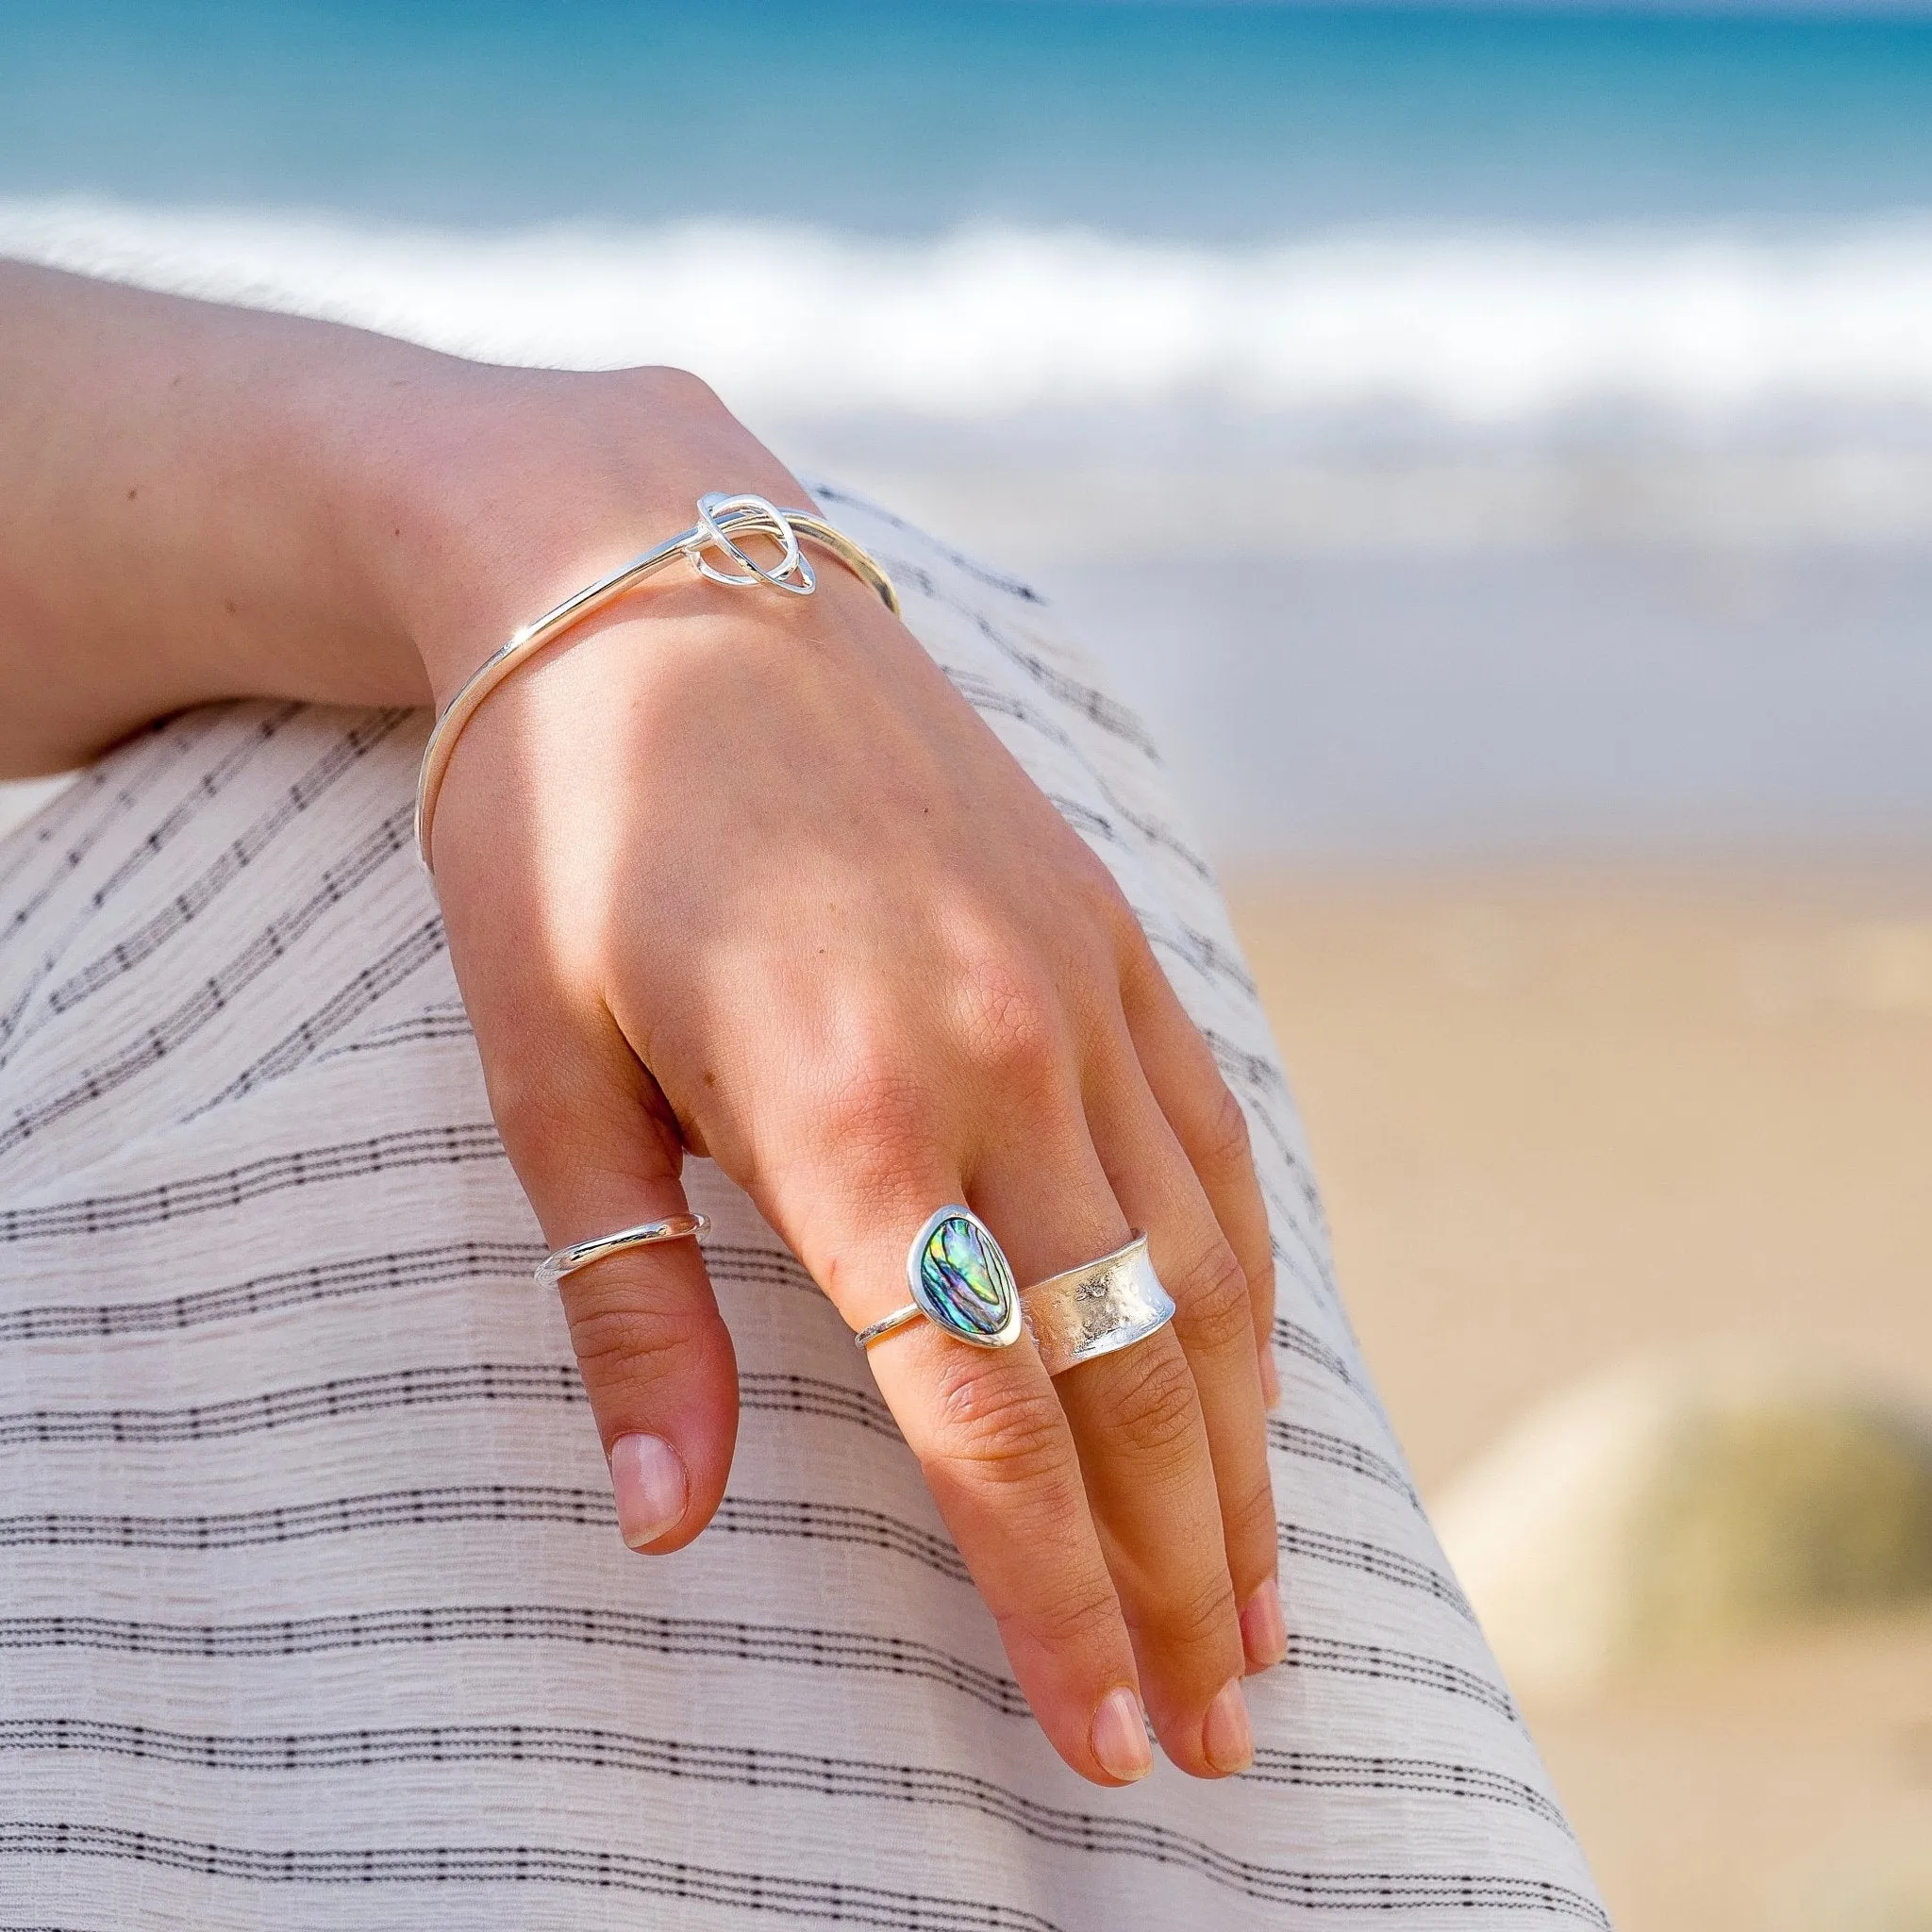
(314, 1613)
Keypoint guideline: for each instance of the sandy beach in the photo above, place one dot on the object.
(1573, 1117)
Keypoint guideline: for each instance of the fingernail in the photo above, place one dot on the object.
(1225, 1739)
(1271, 1379)
(1120, 1737)
(648, 1481)
(1264, 1635)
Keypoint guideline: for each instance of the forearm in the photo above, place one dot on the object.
(199, 501)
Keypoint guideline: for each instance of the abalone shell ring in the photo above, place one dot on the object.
(1106, 1304)
(959, 1279)
(677, 1227)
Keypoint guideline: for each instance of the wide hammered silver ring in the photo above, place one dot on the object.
(1093, 1310)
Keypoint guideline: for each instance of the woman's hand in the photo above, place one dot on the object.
(742, 872)
(725, 870)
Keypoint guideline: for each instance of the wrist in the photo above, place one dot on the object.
(498, 493)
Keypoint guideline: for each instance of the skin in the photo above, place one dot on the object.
(726, 872)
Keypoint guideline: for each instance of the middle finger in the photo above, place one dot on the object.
(1143, 1449)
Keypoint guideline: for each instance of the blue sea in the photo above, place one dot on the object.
(1467, 429)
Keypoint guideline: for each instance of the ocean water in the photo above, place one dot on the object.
(1435, 362)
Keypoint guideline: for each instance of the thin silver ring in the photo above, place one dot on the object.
(675, 1227)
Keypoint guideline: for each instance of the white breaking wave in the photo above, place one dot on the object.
(1480, 329)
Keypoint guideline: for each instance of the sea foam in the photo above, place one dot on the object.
(1476, 329)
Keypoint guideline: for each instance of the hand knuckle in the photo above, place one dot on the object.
(994, 1428)
(1073, 1616)
(1154, 1403)
(613, 1341)
(873, 1111)
(1014, 1028)
(1214, 1297)
(529, 1112)
(1228, 1145)
(1202, 1615)
(1250, 1523)
(1098, 894)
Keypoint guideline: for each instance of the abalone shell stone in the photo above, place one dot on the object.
(965, 1284)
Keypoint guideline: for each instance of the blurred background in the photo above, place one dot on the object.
(1495, 449)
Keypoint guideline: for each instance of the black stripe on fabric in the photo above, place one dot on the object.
(544, 1382)
(1340, 1657)
(1207, 955)
(197, 897)
(795, 1899)
(139, 768)
(412, 1388)
(173, 1030)
(1372, 1559)
(207, 788)
(839, 1522)
(1265, 1085)
(277, 1408)
(674, 1637)
(754, 1267)
(1313, 1445)
(750, 1643)
(433, 1023)
(232, 1187)
(321, 1281)
(1311, 1348)
(772, 1516)
(985, 574)
(1116, 719)
(839, 1902)
(32, 836)
(354, 1274)
(409, 954)
(811, 1395)
(1305, 1343)
(1096, 824)
(762, 1768)
(1426, 1776)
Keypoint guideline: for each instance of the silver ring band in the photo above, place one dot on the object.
(1093, 1310)
(898, 1319)
(676, 1227)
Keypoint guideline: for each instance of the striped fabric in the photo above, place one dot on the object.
(314, 1612)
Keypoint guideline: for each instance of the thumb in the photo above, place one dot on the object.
(597, 1149)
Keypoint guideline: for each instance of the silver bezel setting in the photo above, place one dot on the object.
(915, 1279)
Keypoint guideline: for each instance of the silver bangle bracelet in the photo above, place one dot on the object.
(724, 523)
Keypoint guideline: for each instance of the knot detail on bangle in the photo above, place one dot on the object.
(724, 521)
